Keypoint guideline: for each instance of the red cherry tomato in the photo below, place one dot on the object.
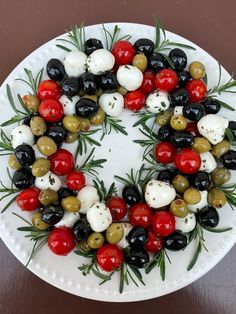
(62, 162)
(154, 243)
(51, 110)
(187, 161)
(165, 152)
(110, 257)
(123, 51)
(117, 207)
(48, 89)
(28, 199)
(61, 241)
(75, 180)
(140, 215)
(135, 100)
(192, 128)
(197, 90)
(166, 80)
(163, 223)
(148, 83)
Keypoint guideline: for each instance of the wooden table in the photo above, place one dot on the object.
(27, 24)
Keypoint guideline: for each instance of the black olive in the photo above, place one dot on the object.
(157, 62)
(179, 97)
(57, 133)
(71, 86)
(131, 194)
(229, 159)
(23, 178)
(193, 111)
(145, 46)
(108, 82)
(175, 242)
(184, 77)
(89, 83)
(91, 45)
(200, 180)
(232, 127)
(55, 70)
(52, 214)
(137, 237)
(179, 58)
(208, 217)
(182, 139)
(86, 107)
(25, 154)
(166, 175)
(164, 133)
(64, 192)
(27, 120)
(81, 229)
(211, 105)
(137, 257)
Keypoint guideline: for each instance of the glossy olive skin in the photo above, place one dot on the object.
(175, 242)
(65, 192)
(201, 145)
(137, 237)
(232, 127)
(166, 175)
(108, 82)
(179, 208)
(201, 180)
(157, 62)
(23, 178)
(137, 257)
(131, 194)
(179, 97)
(211, 105)
(71, 86)
(145, 46)
(216, 198)
(13, 162)
(91, 45)
(52, 214)
(47, 197)
(184, 77)
(193, 111)
(114, 233)
(85, 107)
(220, 148)
(229, 160)
(81, 229)
(40, 167)
(180, 183)
(25, 154)
(164, 117)
(221, 176)
(182, 139)
(95, 240)
(38, 223)
(55, 70)
(208, 217)
(38, 126)
(179, 58)
(57, 132)
(192, 196)
(89, 84)
(164, 133)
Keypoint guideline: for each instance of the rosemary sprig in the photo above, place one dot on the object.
(84, 140)
(144, 117)
(8, 191)
(39, 237)
(158, 260)
(110, 124)
(230, 193)
(5, 144)
(112, 37)
(76, 38)
(154, 166)
(90, 164)
(103, 193)
(32, 82)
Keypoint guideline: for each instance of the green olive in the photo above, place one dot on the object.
(197, 70)
(95, 240)
(46, 145)
(221, 176)
(38, 126)
(98, 117)
(164, 117)
(114, 233)
(84, 124)
(40, 167)
(221, 148)
(31, 102)
(122, 90)
(71, 123)
(216, 198)
(83, 244)
(179, 208)
(93, 97)
(38, 223)
(192, 196)
(180, 183)
(140, 62)
(71, 204)
(47, 197)
(178, 122)
(13, 162)
(201, 145)
(71, 137)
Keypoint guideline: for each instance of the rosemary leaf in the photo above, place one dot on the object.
(215, 230)
(195, 256)
(229, 134)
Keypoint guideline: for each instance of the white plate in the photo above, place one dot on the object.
(122, 155)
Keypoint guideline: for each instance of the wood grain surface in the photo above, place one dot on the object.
(27, 24)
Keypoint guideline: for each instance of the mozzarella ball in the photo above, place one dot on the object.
(112, 103)
(48, 181)
(37, 152)
(186, 224)
(99, 217)
(100, 61)
(157, 102)
(22, 135)
(159, 193)
(69, 104)
(208, 162)
(123, 243)
(75, 63)
(203, 202)
(129, 77)
(68, 220)
(87, 196)
(178, 110)
(213, 127)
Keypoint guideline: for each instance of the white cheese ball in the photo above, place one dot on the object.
(48, 181)
(87, 196)
(68, 220)
(129, 77)
(159, 194)
(157, 102)
(69, 104)
(99, 217)
(213, 127)
(178, 110)
(123, 243)
(112, 103)
(100, 61)
(37, 152)
(75, 63)
(186, 224)
(208, 162)
(203, 202)
(22, 135)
